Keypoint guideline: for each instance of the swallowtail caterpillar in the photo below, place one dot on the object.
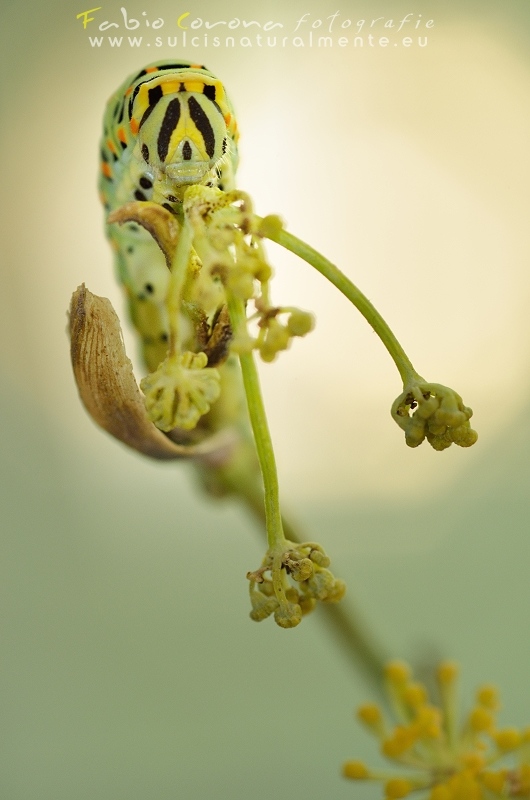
(166, 127)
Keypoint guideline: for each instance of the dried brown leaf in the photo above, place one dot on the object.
(108, 388)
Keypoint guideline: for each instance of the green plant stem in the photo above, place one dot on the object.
(343, 622)
(360, 301)
(352, 636)
(260, 429)
(179, 270)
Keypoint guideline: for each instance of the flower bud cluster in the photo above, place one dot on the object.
(289, 584)
(274, 334)
(180, 391)
(436, 413)
(227, 237)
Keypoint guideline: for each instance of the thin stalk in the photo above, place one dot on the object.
(179, 270)
(260, 429)
(354, 295)
(343, 622)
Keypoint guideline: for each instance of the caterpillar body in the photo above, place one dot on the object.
(166, 127)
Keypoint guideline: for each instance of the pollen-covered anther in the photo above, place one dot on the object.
(441, 792)
(481, 720)
(447, 673)
(488, 697)
(371, 715)
(356, 770)
(494, 781)
(397, 673)
(180, 391)
(507, 739)
(427, 722)
(473, 761)
(397, 788)
(402, 739)
(415, 695)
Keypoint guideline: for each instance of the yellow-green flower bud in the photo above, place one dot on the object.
(439, 441)
(356, 770)
(307, 604)
(292, 595)
(321, 584)
(262, 606)
(300, 570)
(415, 431)
(270, 226)
(435, 412)
(276, 338)
(319, 557)
(266, 588)
(288, 615)
(242, 343)
(464, 435)
(300, 322)
(180, 391)
(241, 282)
(336, 592)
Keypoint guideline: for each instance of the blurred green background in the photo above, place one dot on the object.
(130, 669)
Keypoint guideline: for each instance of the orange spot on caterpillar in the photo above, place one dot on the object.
(106, 170)
(129, 90)
(121, 135)
(111, 146)
(134, 126)
(152, 69)
(227, 118)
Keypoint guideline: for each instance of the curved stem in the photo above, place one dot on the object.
(354, 295)
(179, 269)
(342, 620)
(260, 429)
(357, 643)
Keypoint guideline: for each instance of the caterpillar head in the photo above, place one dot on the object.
(185, 127)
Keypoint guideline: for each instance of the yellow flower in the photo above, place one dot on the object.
(446, 759)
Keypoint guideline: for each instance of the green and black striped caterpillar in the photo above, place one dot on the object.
(167, 127)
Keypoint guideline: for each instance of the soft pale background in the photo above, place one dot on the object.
(130, 670)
